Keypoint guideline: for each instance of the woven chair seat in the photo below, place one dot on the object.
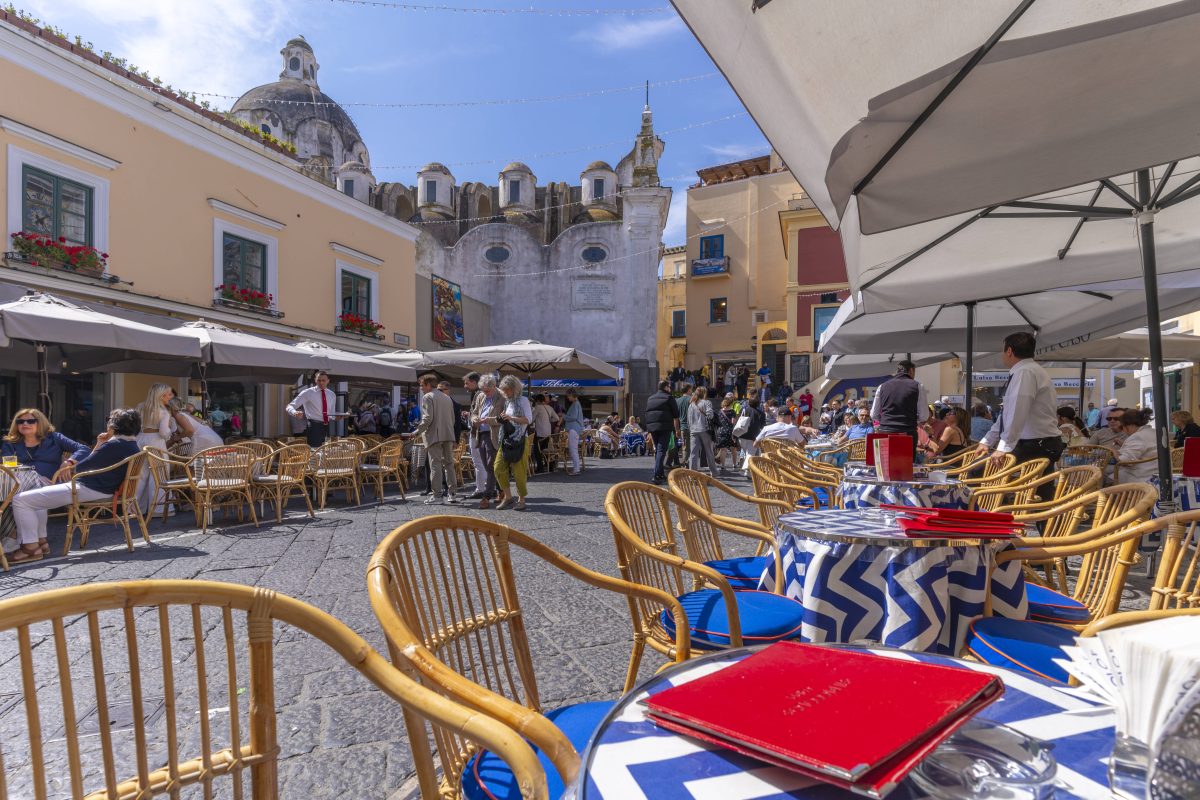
(326, 472)
(275, 479)
(220, 483)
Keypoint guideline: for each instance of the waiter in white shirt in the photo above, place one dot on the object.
(316, 404)
(1028, 424)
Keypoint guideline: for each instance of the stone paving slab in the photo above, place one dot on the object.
(339, 736)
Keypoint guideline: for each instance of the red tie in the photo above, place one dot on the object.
(324, 409)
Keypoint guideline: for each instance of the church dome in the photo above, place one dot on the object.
(599, 165)
(435, 166)
(517, 166)
(295, 110)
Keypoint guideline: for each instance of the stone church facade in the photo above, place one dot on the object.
(572, 264)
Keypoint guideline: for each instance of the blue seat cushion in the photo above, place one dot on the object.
(1047, 605)
(822, 498)
(742, 573)
(764, 617)
(487, 777)
(1023, 645)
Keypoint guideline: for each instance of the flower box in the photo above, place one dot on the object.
(44, 251)
(243, 299)
(359, 326)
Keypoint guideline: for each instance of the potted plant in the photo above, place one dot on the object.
(245, 296)
(45, 251)
(354, 323)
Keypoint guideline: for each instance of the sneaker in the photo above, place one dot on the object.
(426, 492)
(452, 500)
(479, 495)
(433, 500)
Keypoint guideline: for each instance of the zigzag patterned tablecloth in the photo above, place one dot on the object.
(911, 596)
(859, 493)
(630, 758)
(1187, 493)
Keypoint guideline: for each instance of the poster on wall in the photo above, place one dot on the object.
(447, 313)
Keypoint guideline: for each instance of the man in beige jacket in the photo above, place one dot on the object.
(436, 431)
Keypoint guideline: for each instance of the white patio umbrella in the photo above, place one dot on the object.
(39, 322)
(529, 357)
(891, 115)
(422, 362)
(344, 364)
(844, 367)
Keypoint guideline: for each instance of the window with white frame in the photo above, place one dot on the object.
(56, 200)
(514, 191)
(245, 257)
(357, 291)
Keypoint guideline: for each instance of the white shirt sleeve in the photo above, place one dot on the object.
(1017, 402)
(922, 403)
(875, 405)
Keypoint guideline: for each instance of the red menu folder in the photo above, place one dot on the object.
(894, 457)
(1191, 457)
(852, 719)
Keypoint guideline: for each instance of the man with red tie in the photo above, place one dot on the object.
(316, 404)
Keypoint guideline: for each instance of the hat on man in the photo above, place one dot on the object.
(1112, 402)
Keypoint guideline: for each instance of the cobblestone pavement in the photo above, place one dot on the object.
(339, 736)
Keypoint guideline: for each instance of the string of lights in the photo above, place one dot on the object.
(550, 153)
(626, 257)
(530, 10)
(499, 101)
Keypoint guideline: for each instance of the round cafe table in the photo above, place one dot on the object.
(867, 491)
(631, 758)
(861, 579)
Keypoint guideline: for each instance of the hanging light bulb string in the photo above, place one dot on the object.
(530, 10)
(497, 101)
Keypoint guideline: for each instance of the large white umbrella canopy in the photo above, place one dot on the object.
(844, 367)
(987, 100)
(1123, 351)
(228, 352)
(344, 364)
(529, 357)
(422, 362)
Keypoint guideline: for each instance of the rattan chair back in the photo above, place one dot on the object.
(772, 482)
(770, 446)
(1017, 485)
(445, 593)
(222, 477)
(1089, 453)
(1123, 618)
(286, 480)
(858, 449)
(121, 507)
(208, 649)
(334, 465)
(1176, 459)
(799, 472)
(1177, 584)
(698, 486)
(8, 490)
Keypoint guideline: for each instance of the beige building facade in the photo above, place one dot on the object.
(183, 203)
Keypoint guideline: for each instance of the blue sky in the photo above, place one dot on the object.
(385, 55)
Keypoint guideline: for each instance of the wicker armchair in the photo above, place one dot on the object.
(169, 472)
(695, 486)
(1096, 454)
(382, 463)
(8, 490)
(820, 481)
(474, 647)
(121, 507)
(1118, 464)
(1016, 484)
(1177, 584)
(206, 646)
(771, 482)
(284, 479)
(334, 465)
(644, 531)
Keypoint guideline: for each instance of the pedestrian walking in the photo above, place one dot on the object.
(436, 431)
(471, 382)
(662, 420)
(723, 443)
(541, 430)
(573, 422)
(683, 444)
(514, 415)
(1028, 423)
(700, 425)
(749, 425)
(485, 436)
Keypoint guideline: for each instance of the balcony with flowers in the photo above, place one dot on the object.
(358, 325)
(38, 252)
(242, 298)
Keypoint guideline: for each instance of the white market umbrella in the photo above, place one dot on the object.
(1123, 351)
(41, 321)
(422, 362)
(891, 115)
(845, 367)
(530, 357)
(344, 364)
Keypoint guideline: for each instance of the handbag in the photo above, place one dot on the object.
(742, 426)
(512, 442)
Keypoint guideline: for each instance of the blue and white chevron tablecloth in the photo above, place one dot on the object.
(1187, 493)
(869, 493)
(631, 758)
(879, 587)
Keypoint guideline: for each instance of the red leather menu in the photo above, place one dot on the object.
(894, 457)
(853, 719)
(1191, 457)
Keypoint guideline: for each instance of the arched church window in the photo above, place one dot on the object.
(294, 64)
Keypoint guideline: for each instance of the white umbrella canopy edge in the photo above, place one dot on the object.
(845, 367)
(344, 364)
(949, 102)
(44, 318)
(530, 357)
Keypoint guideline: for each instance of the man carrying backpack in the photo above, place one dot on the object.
(385, 421)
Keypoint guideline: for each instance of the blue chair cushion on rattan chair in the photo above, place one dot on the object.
(1047, 605)
(765, 618)
(487, 777)
(822, 498)
(1023, 645)
(742, 573)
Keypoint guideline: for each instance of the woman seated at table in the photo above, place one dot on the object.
(200, 435)
(1185, 427)
(32, 440)
(31, 507)
(1139, 445)
(1073, 431)
(956, 433)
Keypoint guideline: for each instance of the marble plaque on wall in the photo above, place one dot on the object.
(592, 294)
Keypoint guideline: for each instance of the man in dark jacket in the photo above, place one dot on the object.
(900, 403)
(661, 419)
(682, 442)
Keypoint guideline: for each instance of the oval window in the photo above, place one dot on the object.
(594, 255)
(294, 64)
(497, 254)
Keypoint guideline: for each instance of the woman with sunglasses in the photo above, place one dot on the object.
(34, 442)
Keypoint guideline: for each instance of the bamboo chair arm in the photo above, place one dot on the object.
(124, 462)
(1020, 510)
(968, 465)
(1040, 548)
(998, 476)
(803, 489)
(745, 498)
(1055, 507)
(1134, 617)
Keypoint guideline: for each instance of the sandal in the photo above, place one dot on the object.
(483, 503)
(520, 506)
(505, 500)
(44, 546)
(22, 555)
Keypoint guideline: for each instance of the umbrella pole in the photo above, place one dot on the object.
(43, 379)
(1082, 384)
(1145, 225)
(969, 372)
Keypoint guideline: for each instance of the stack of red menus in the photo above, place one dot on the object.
(941, 523)
(845, 717)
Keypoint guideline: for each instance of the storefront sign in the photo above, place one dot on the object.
(1001, 377)
(569, 383)
(709, 266)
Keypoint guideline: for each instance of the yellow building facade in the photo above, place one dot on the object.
(183, 202)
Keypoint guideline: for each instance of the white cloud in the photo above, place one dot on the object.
(221, 46)
(676, 230)
(630, 34)
(736, 152)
